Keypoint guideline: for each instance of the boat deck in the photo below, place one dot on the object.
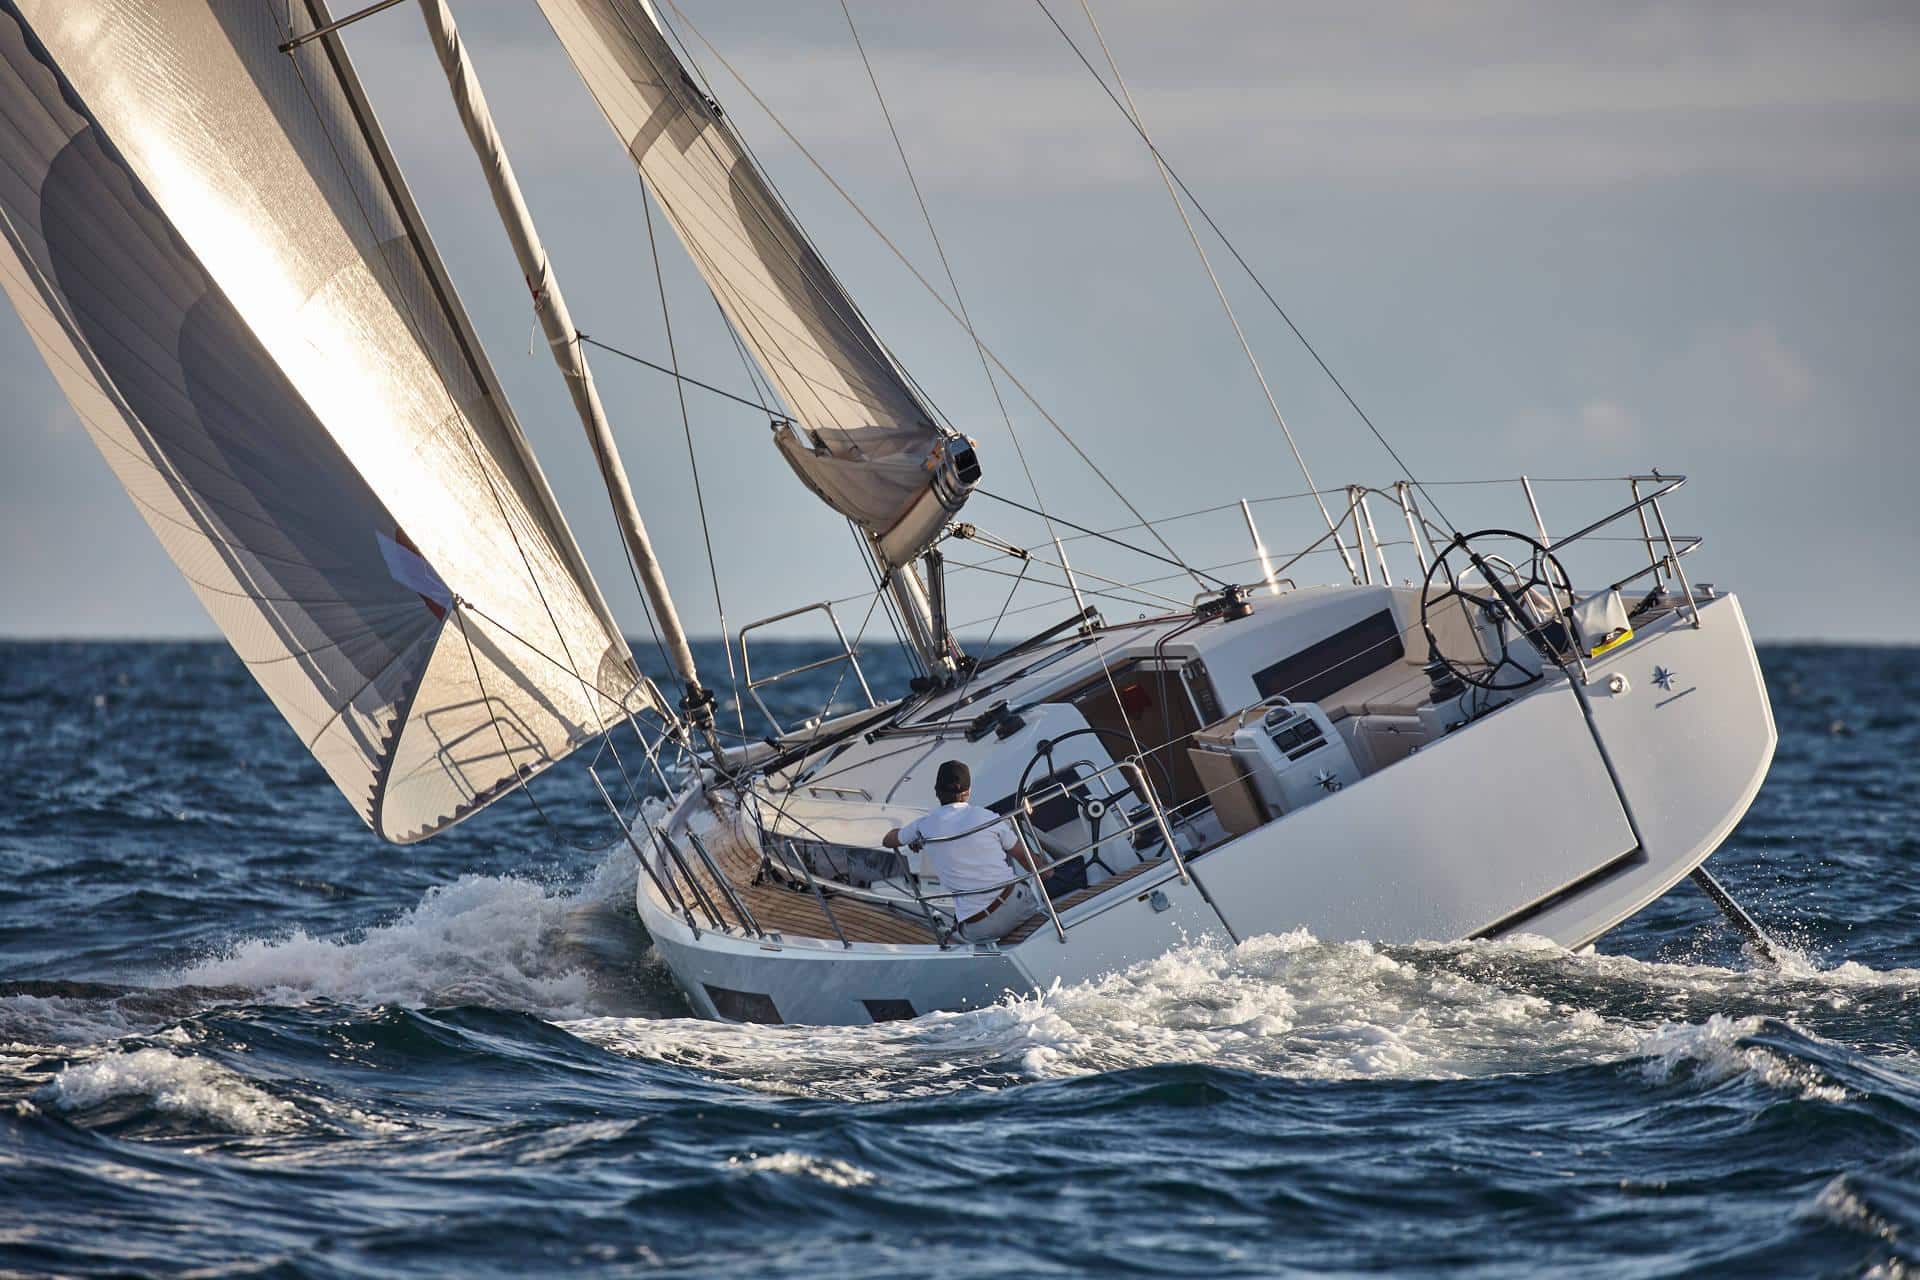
(790, 911)
(1038, 920)
(786, 911)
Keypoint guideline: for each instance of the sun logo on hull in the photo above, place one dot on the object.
(1663, 677)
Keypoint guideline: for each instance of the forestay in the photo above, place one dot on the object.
(865, 444)
(214, 251)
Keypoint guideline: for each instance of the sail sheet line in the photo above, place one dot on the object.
(592, 341)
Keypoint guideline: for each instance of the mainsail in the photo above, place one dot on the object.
(214, 251)
(864, 443)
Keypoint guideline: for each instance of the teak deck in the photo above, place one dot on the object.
(778, 908)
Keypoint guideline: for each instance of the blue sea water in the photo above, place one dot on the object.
(238, 1034)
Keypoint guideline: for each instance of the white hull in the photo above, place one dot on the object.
(1543, 818)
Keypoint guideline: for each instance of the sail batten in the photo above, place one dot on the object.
(860, 437)
(210, 244)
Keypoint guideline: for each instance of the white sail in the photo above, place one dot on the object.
(213, 249)
(865, 444)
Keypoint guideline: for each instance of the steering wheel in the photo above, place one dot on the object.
(1093, 809)
(1507, 595)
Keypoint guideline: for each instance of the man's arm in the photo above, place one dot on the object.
(1018, 852)
(891, 840)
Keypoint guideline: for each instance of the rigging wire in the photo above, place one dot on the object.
(1139, 124)
(1246, 267)
(693, 461)
(1196, 574)
(858, 326)
(924, 283)
(761, 391)
(946, 265)
(592, 341)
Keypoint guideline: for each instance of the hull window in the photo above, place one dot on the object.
(742, 1006)
(889, 1010)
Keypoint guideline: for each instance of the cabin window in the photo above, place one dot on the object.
(1334, 663)
(1151, 703)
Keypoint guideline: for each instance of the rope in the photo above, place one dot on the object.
(592, 341)
(1176, 562)
(966, 318)
(924, 283)
(1139, 123)
(693, 461)
(1213, 226)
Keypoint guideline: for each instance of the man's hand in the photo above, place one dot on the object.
(891, 840)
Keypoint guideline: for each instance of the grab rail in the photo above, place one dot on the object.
(847, 655)
(945, 923)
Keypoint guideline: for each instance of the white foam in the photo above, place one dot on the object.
(1839, 1204)
(503, 941)
(27, 1023)
(190, 1088)
(1714, 1050)
(1287, 1005)
(835, 1173)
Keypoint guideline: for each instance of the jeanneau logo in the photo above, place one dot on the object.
(1663, 677)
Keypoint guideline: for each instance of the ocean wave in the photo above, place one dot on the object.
(835, 1173)
(506, 942)
(1717, 1050)
(175, 1085)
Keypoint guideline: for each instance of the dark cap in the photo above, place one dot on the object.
(954, 777)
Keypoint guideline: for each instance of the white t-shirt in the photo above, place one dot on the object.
(977, 860)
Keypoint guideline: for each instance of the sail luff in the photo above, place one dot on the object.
(563, 340)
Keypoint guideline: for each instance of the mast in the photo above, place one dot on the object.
(564, 341)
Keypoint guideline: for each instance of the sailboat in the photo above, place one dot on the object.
(210, 242)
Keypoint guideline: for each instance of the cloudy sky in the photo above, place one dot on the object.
(1561, 240)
